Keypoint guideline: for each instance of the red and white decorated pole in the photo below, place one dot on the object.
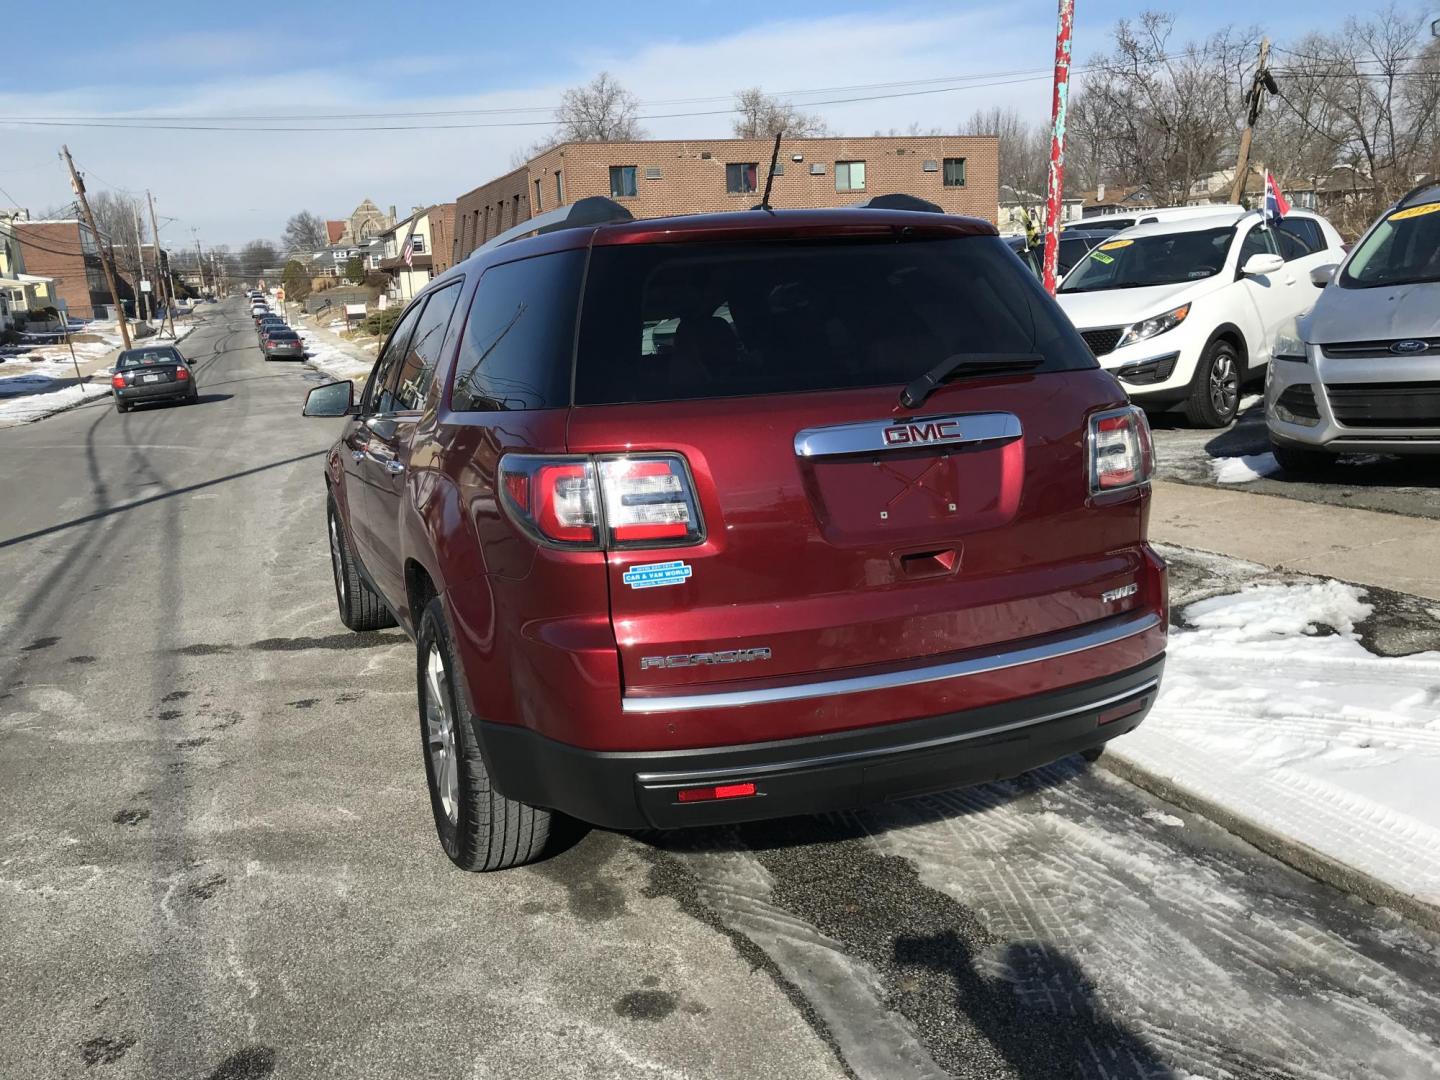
(1058, 110)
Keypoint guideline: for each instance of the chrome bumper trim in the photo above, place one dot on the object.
(955, 669)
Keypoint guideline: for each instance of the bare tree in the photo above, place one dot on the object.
(762, 116)
(1361, 109)
(1024, 150)
(305, 232)
(256, 257)
(601, 111)
(1157, 115)
(122, 221)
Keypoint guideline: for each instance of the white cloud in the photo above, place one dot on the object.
(233, 186)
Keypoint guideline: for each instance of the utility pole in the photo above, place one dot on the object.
(161, 272)
(1060, 105)
(141, 294)
(1254, 102)
(108, 264)
(199, 260)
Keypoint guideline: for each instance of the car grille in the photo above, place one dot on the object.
(1414, 404)
(1101, 341)
(1369, 350)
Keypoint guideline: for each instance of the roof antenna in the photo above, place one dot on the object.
(770, 176)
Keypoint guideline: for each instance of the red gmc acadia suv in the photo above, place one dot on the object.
(709, 519)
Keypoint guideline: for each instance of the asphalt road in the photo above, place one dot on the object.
(217, 860)
(1389, 483)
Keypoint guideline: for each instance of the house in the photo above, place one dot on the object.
(408, 253)
(1016, 205)
(1109, 199)
(20, 292)
(67, 252)
(656, 178)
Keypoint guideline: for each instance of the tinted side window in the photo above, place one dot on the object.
(378, 398)
(418, 367)
(1299, 237)
(519, 337)
(1257, 242)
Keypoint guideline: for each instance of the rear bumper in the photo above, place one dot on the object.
(637, 789)
(156, 392)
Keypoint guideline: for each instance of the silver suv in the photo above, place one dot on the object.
(1361, 372)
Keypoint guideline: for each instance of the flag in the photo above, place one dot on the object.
(1275, 205)
(408, 251)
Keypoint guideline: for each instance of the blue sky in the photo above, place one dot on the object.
(318, 57)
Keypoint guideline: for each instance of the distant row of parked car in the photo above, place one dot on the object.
(276, 338)
(1186, 305)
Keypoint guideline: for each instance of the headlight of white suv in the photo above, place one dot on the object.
(1157, 324)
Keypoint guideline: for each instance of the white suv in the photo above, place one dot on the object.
(1184, 312)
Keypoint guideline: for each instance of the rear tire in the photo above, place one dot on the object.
(1214, 398)
(360, 606)
(1297, 461)
(479, 828)
(121, 407)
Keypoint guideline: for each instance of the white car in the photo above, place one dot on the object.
(1184, 312)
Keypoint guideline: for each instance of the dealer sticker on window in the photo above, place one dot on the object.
(653, 575)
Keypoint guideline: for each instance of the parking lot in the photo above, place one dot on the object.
(220, 859)
(1393, 484)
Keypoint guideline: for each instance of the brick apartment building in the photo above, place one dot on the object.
(66, 251)
(657, 178)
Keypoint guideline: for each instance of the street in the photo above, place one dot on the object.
(219, 863)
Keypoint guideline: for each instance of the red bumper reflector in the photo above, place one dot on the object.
(1119, 712)
(723, 791)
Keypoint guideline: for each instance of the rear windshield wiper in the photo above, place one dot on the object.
(916, 392)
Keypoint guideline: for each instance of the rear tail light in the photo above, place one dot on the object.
(610, 502)
(719, 791)
(1121, 453)
(181, 374)
(117, 381)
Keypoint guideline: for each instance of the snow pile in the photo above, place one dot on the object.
(1273, 708)
(335, 358)
(1243, 469)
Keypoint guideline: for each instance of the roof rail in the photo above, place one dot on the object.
(589, 211)
(900, 201)
(1431, 185)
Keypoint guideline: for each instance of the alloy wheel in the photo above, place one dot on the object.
(1224, 385)
(440, 735)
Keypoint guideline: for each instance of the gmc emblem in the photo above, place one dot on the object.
(922, 431)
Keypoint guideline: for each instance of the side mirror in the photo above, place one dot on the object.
(1262, 265)
(332, 399)
(1322, 276)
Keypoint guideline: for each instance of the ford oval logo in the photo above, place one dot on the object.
(1409, 348)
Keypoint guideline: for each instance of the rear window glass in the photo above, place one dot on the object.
(681, 321)
(282, 335)
(148, 357)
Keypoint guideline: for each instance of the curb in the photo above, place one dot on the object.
(1313, 864)
(89, 380)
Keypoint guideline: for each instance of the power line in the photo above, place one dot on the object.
(133, 126)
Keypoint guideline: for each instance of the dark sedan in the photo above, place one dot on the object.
(268, 323)
(283, 343)
(153, 373)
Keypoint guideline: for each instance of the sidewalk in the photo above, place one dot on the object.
(1283, 715)
(1364, 546)
(328, 352)
(42, 382)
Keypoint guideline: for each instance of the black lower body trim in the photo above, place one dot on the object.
(639, 789)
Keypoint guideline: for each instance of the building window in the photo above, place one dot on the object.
(849, 176)
(954, 172)
(740, 179)
(538, 206)
(622, 182)
(417, 244)
(559, 189)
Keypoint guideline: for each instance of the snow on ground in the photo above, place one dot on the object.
(1243, 469)
(40, 382)
(334, 356)
(1273, 708)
